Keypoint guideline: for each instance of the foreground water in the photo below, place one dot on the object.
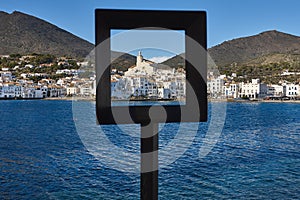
(256, 157)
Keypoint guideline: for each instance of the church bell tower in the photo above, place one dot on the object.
(139, 59)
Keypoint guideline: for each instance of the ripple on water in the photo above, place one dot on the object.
(42, 156)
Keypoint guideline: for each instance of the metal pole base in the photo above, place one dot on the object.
(149, 178)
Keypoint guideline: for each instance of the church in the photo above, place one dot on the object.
(142, 67)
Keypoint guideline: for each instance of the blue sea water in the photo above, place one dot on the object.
(42, 156)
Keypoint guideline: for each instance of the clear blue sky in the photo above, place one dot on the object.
(153, 43)
(227, 19)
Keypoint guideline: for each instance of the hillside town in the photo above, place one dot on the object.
(27, 80)
(149, 80)
(145, 80)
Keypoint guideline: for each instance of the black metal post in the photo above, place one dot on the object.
(149, 161)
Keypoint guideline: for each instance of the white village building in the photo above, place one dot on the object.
(291, 90)
(231, 90)
(215, 86)
(5, 76)
(275, 90)
(253, 90)
(7, 90)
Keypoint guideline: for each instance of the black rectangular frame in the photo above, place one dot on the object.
(194, 25)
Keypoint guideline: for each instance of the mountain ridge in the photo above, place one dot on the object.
(25, 34)
(245, 49)
(21, 33)
(258, 49)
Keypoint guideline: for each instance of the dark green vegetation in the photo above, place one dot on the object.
(269, 73)
(49, 64)
(177, 61)
(41, 63)
(121, 61)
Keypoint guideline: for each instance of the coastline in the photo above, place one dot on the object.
(279, 101)
(253, 101)
(209, 100)
(70, 98)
